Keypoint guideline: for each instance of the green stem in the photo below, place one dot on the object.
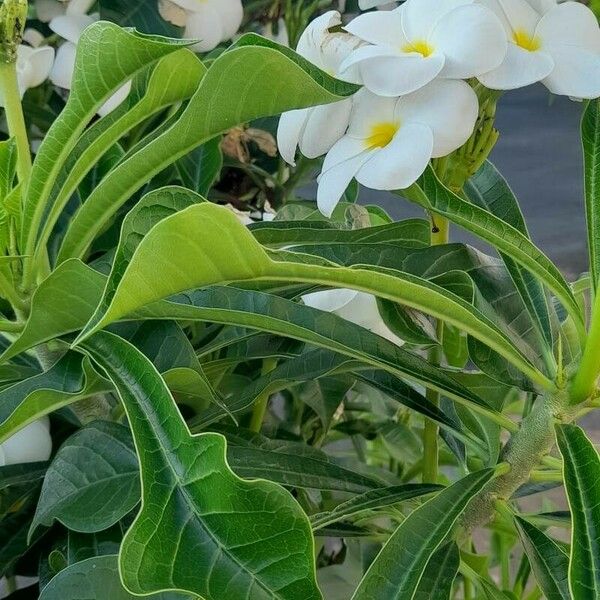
(589, 368)
(262, 402)
(15, 119)
(440, 235)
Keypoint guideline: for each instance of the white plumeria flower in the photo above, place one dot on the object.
(70, 27)
(357, 307)
(315, 130)
(46, 10)
(33, 67)
(390, 141)
(423, 39)
(32, 444)
(557, 44)
(210, 21)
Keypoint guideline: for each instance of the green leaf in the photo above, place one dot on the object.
(69, 380)
(8, 167)
(590, 135)
(582, 482)
(438, 578)
(488, 189)
(433, 196)
(92, 481)
(174, 79)
(107, 57)
(398, 569)
(549, 563)
(275, 79)
(154, 274)
(247, 539)
(371, 501)
(96, 578)
(200, 169)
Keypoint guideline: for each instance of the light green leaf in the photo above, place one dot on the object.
(398, 569)
(549, 563)
(275, 80)
(154, 274)
(96, 578)
(107, 57)
(582, 482)
(433, 196)
(371, 501)
(590, 135)
(217, 535)
(92, 481)
(8, 167)
(174, 79)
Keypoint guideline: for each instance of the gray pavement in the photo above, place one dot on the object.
(539, 153)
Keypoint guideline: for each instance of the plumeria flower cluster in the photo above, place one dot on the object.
(417, 65)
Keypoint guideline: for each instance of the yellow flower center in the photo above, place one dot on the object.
(381, 135)
(421, 46)
(524, 40)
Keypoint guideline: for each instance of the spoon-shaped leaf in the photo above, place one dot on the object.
(201, 529)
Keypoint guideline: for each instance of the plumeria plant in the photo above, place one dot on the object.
(222, 379)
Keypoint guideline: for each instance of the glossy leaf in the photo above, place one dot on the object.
(247, 261)
(438, 578)
(590, 135)
(582, 482)
(549, 563)
(215, 534)
(276, 80)
(398, 569)
(92, 481)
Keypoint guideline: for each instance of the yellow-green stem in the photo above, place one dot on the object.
(262, 402)
(585, 381)
(440, 234)
(15, 119)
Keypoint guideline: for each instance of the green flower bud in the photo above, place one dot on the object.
(13, 17)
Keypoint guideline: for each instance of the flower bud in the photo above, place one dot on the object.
(13, 17)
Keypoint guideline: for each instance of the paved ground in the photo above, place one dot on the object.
(540, 155)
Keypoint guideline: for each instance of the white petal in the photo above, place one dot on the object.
(520, 14)
(369, 110)
(204, 26)
(232, 15)
(346, 149)
(33, 37)
(330, 300)
(368, 4)
(381, 28)
(291, 126)
(385, 332)
(79, 7)
(543, 6)
(391, 73)
(32, 444)
(64, 64)
(448, 107)
(314, 36)
(576, 72)
(520, 68)
(172, 13)
(472, 40)
(572, 24)
(191, 5)
(419, 17)
(71, 27)
(400, 163)
(115, 100)
(324, 127)
(41, 61)
(48, 9)
(334, 181)
(335, 50)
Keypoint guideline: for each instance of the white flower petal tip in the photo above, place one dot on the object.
(210, 21)
(410, 46)
(390, 141)
(557, 44)
(33, 443)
